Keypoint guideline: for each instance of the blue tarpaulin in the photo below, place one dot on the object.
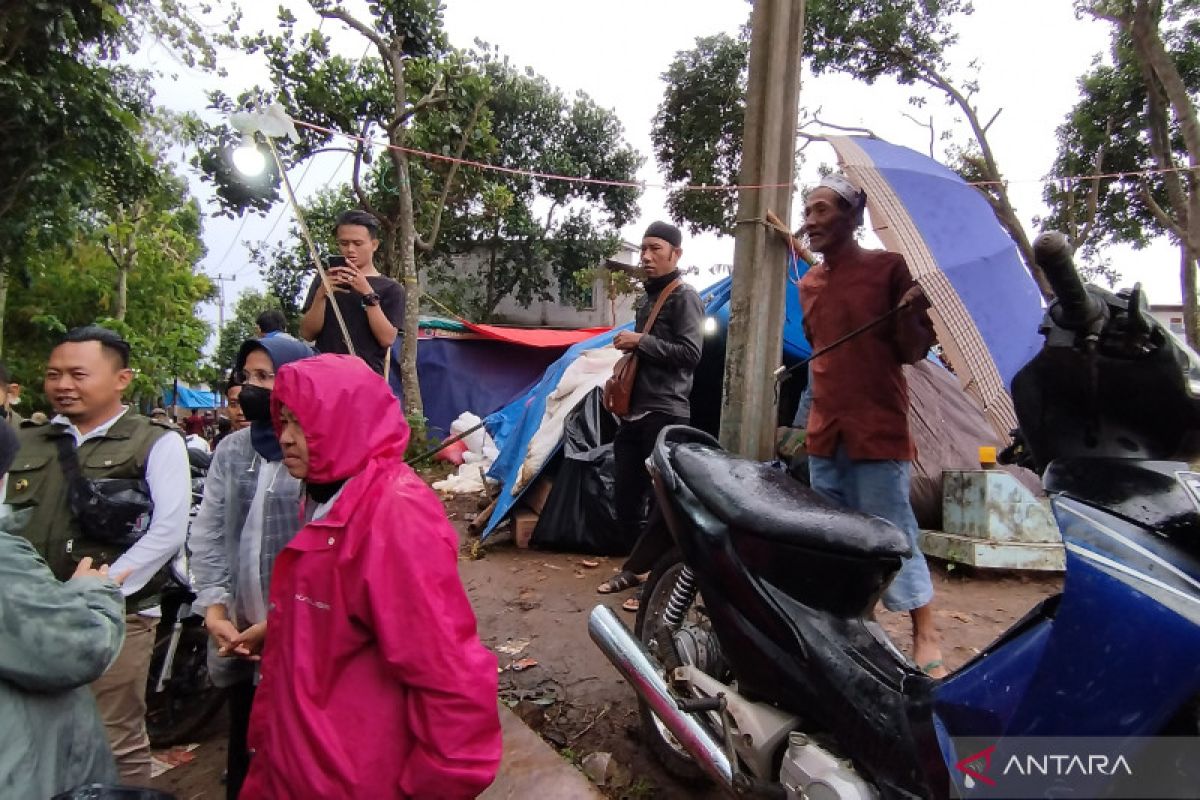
(191, 398)
(513, 426)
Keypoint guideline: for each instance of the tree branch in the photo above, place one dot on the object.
(426, 244)
(848, 128)
(107, 242)
(550, 218)
(1093, 198)
(390, 54)
(435, 96)
(929, 125)
(367, 31)
(993, 119)
(356, 175)
(1160, 214)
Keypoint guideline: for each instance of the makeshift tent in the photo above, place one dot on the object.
(958, 253)
(514, 427)
(478, 368)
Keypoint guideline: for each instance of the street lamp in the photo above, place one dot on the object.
(248, 159)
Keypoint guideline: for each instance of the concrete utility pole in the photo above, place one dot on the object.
(221, 280)
(754, 347)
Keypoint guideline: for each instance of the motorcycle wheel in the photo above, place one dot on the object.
(655, 594)
(189, 700)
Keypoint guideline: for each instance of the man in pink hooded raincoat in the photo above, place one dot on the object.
(374, 682)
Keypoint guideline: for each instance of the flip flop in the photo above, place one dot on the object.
(620, 582)
(931, 666)
(633, 603)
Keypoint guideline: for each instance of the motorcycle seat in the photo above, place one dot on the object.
(759, 500)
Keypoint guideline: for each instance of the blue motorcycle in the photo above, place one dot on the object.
(758, 663)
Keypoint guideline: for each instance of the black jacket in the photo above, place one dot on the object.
(668, 354)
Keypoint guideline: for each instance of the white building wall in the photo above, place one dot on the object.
(1170, 316)
(556, 314)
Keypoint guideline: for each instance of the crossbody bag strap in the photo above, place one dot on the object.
(658, 304)
(68, 459)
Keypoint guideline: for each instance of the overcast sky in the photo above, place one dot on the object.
(1030, 53)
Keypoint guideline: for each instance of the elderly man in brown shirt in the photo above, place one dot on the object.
(859, 444)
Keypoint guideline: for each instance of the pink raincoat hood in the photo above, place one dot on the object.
(374, 682)
(349, 415)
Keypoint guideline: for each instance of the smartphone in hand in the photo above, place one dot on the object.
(334, 265)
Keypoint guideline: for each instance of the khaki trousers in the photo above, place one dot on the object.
(121, 699)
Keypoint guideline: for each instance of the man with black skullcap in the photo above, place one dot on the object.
(859, 445)
(667, 357)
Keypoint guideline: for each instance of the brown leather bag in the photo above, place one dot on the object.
(618, 390)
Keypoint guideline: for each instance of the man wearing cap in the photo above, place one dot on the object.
(667, 357)
(858, 441)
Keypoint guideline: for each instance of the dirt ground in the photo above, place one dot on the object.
(533, 606)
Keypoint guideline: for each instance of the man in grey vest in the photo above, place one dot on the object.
(87, 373)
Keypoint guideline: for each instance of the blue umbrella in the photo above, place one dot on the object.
(986, 306)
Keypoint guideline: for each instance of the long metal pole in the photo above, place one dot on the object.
(312, 246)
(757, 305)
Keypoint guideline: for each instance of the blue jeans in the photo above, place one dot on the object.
(879, 488)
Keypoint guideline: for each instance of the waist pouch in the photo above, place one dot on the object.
(110, 510)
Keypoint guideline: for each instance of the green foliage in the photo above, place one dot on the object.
(69, 126)
(72, 118)
(518, 251)
(419, 440)
(77, 284)
(698, 129)
(869, 39)
(240, 327)
(1108, 131)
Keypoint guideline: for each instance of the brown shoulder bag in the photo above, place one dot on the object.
(618, 390)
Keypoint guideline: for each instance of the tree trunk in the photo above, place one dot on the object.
(3, 302)
(122, 303)
(1191, 311)
(407, 240)
(1148, 42)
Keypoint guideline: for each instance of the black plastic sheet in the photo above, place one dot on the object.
(580, 515)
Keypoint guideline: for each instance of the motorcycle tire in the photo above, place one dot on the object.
(655, 592)
(189, 701)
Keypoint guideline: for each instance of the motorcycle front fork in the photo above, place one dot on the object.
(165, 672)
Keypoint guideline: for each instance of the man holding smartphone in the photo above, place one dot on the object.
(372, 305)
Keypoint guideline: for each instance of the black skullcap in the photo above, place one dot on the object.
(665, 231)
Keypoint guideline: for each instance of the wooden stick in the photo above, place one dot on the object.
(776, 224)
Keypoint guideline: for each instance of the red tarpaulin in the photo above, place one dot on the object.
(534, 337)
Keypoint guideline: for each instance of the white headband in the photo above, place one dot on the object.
(842, 185)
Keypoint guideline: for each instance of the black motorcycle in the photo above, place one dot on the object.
(180, 696)
(757, 658)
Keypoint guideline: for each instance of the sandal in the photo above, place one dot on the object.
(620, 582)
(633, 603)
(932, 666)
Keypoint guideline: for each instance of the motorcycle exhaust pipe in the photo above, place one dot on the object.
(644, 674)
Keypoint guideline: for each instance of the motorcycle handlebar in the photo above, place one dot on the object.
(1052, 253)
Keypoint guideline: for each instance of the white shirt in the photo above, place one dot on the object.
(168, 474)
(197, 443)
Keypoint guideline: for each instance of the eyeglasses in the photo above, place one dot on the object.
(255, 376)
